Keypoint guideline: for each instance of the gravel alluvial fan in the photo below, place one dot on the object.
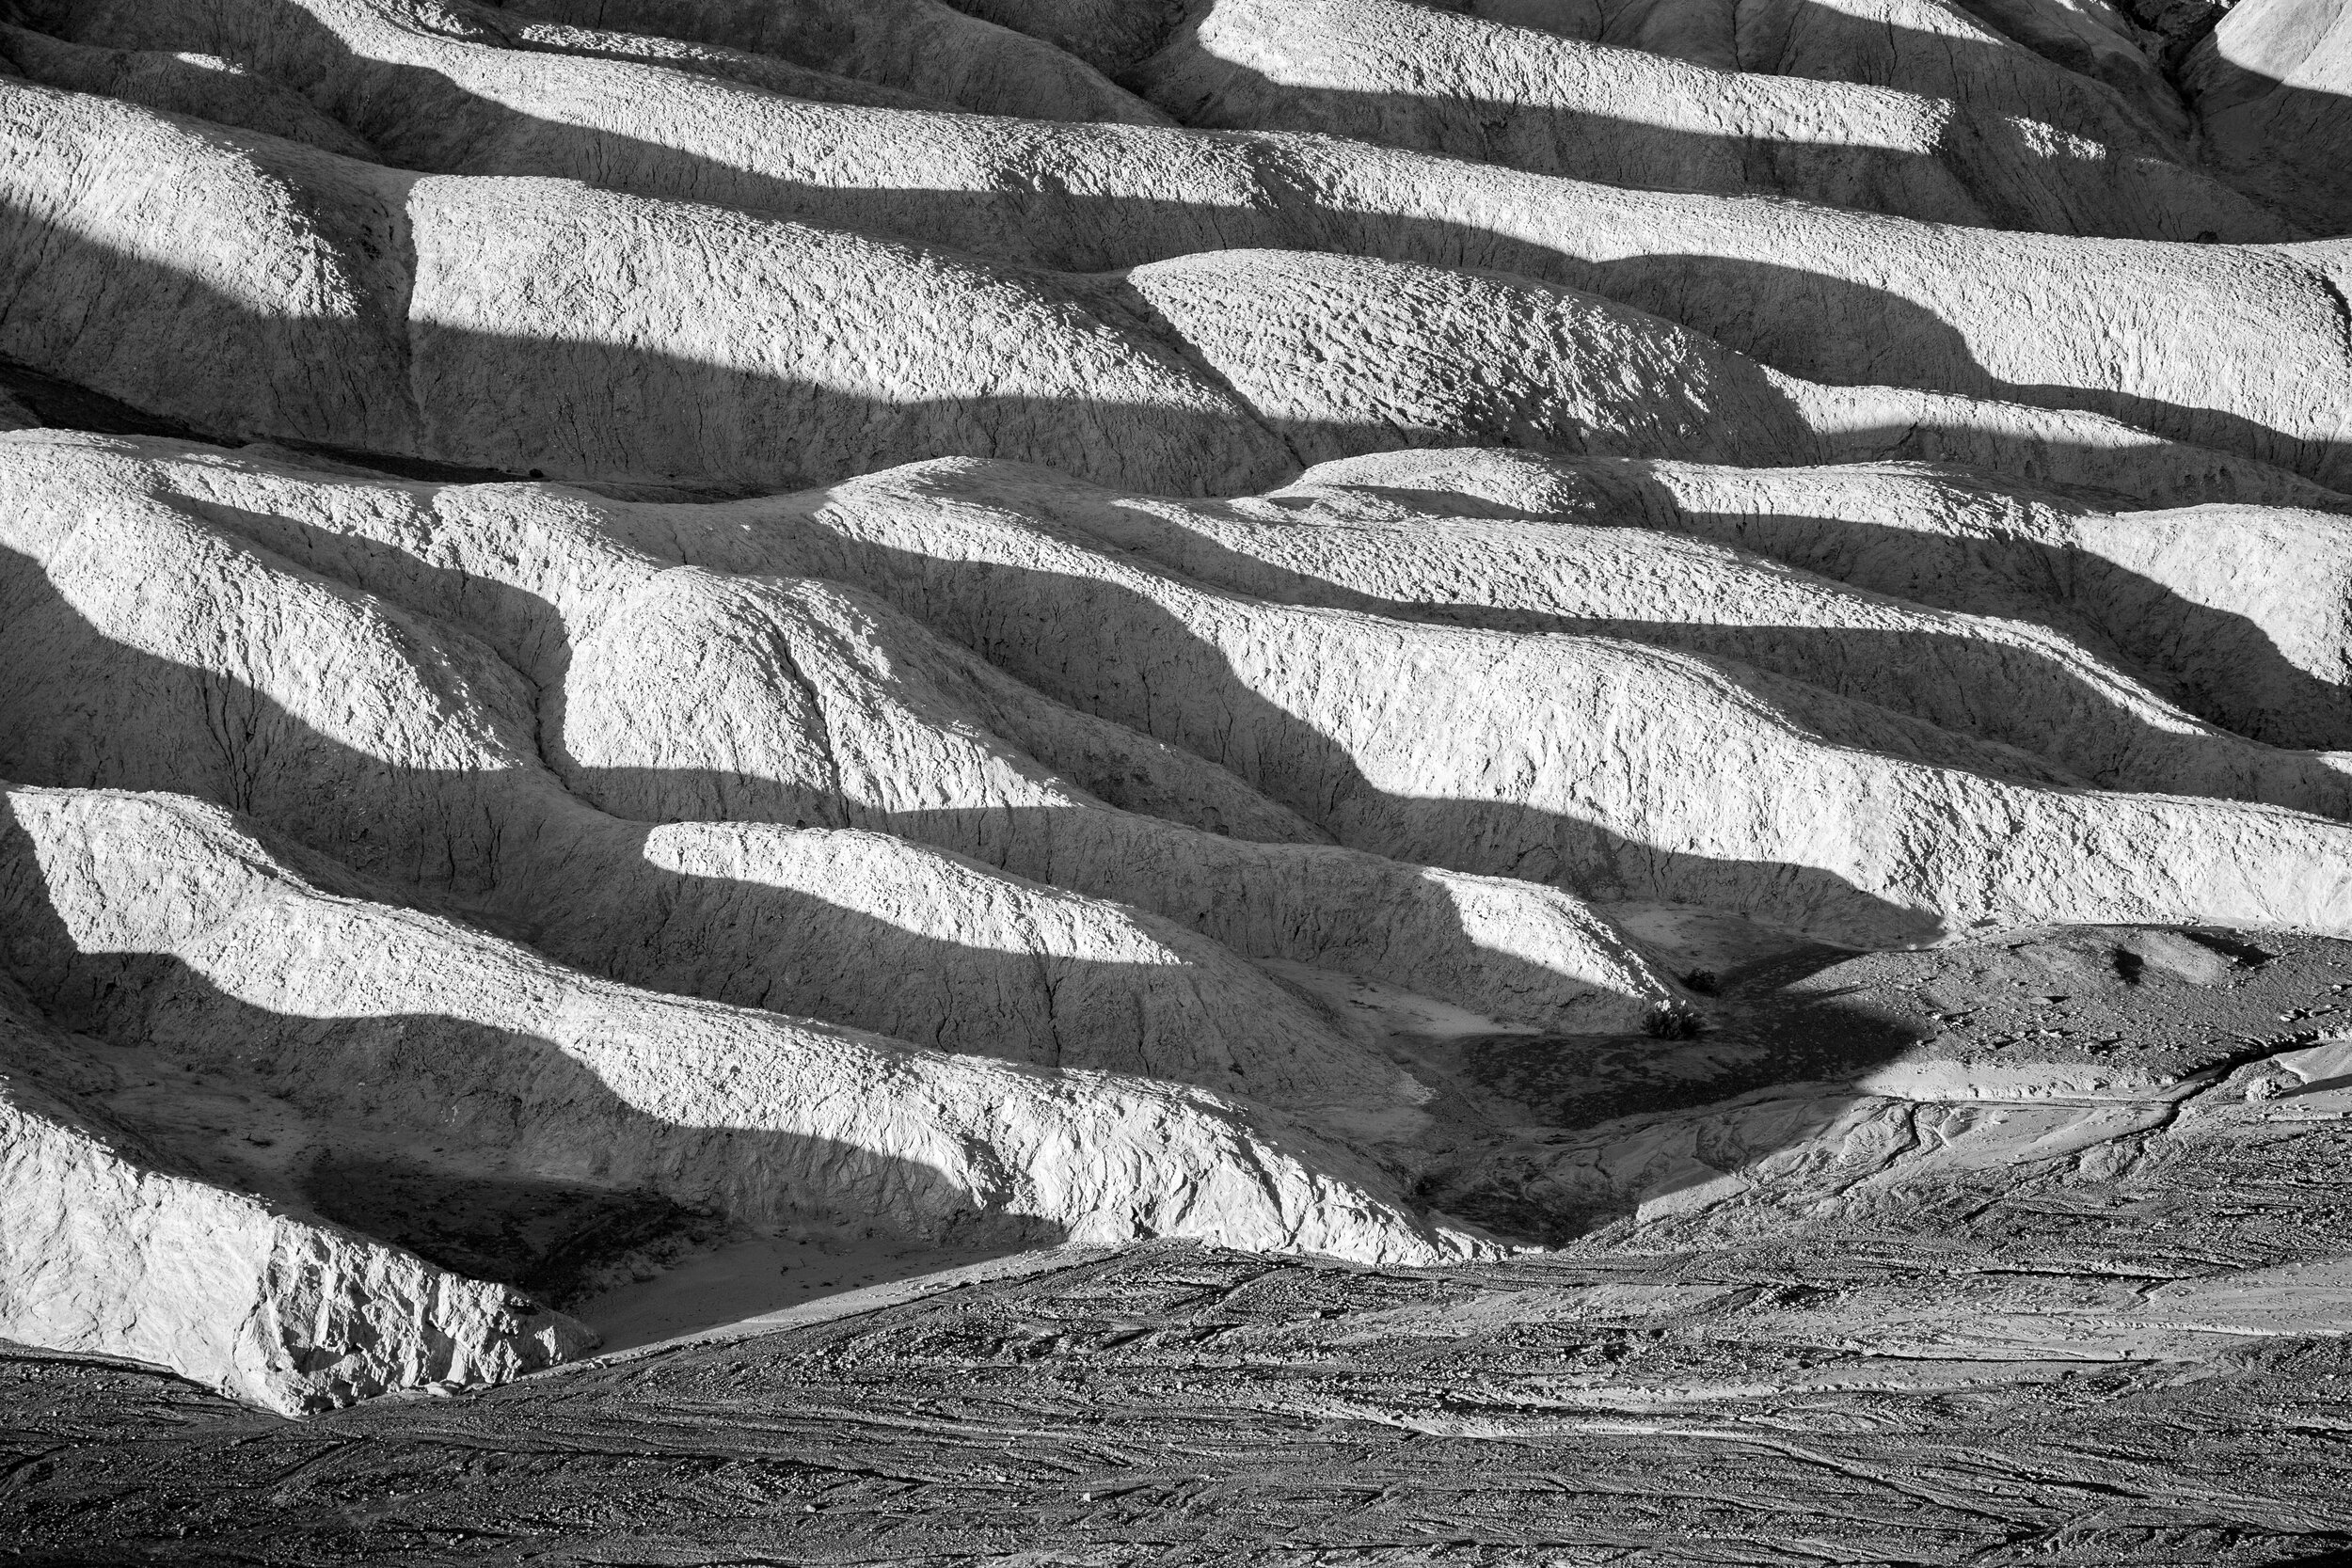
(667, 657)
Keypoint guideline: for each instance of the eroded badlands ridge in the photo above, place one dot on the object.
(645, 628)
(988, 762)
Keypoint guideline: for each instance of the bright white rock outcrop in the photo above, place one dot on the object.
(152, 920)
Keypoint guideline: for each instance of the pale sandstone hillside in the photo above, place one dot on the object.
(2268, 84)
(641, 632)
(540, 324)
(118, 1250)
(168, 938)
(2234, 348)
(717, 749)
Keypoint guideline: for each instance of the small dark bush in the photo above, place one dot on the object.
(1672, 1022)
(1705, 981)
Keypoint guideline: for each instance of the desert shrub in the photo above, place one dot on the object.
(1670, 1021)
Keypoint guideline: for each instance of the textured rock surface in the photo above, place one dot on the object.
(1507, 781)
(237, 965)
(114, 1251)
(1922, 1328)
(1983, 135)
(2268, 81)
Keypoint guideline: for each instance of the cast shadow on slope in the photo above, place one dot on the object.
(512, 852)
(1120, 43)
(2309, 713)
(2062, 84)
(1764, 1033)
(640, 947)
(1976, 181)
(1626, 149)
(481, 401)
(1591, 873)
(619, 391)
(2284, 140)
(2314, 187)
(1841, 332)
(1009, 838)
(617, 374)
(2300, 709)
(1816, 655)
(1309, 771)
(1833, 330)
(439, 1159)
(1763, 1039)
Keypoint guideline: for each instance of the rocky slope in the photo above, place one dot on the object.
(2266, 82)
(166, 931)
(1532, 648)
